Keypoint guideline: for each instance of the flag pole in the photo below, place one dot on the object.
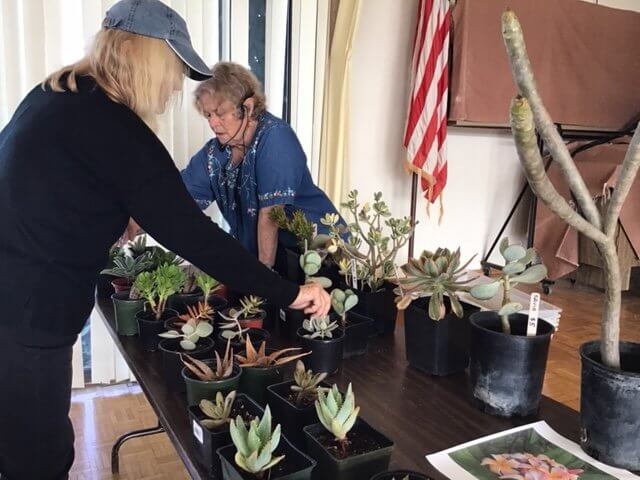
(414, 202)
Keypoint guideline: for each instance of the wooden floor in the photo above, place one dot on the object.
(101, 414)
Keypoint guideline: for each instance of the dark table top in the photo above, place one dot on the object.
(421, 414)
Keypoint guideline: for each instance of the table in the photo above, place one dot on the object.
(422, 414)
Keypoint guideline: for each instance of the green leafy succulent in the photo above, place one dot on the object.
(128, 267)
(217, 413)
(337, 413)
(342, 301)
(306, 383)
(158, 285)
(319, 327)
(207, 284)
(311, 262)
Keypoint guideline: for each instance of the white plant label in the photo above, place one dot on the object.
(197, 432)
(354, 274)
(534, 312)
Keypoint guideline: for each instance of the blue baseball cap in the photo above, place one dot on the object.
(152, 18)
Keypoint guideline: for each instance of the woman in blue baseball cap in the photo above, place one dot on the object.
(77, 159)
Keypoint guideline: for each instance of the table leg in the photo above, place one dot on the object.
(115, 464)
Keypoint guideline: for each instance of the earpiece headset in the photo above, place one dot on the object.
(243, 111)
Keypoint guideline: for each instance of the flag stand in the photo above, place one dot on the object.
(414, 202)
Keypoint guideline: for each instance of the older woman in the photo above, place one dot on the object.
(254, 163)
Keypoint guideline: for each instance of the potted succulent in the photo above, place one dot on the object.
(204, 378)
(189, 294)
(345, 447)
(368, 255)
(125, 307)
(610, 374)
(126, 268)
(325, 340)
(156, 287)
(104, 289)
(293, 402)
(400, 475)
(436, 336)
(356, 327)
(261, 368)
(249, 314)
(192, 338)
(208, 287)
(260, 452)
(210, 424)
(233, 331)
(502, 355)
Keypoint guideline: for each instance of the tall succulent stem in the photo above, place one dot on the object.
(506, 298)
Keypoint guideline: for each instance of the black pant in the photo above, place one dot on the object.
(36, 435)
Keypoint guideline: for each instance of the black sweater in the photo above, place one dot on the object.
(73, 168)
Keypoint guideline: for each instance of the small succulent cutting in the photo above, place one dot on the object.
(342, 301)
(319, 327)
(196, 327)
(337, 413)
(217, 413)
(207, 284)
(311, 262)
(306, 383)
(249, 308)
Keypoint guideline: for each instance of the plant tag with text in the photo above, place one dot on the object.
(534, 312)
(197, 432)
(354, 274)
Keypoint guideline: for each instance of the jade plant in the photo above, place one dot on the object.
(372, 247)
(307, 384)
(319, 327)
(157, 286)
(311, 262)
(207, 284)
(434, 275)
(528, 115)
(342, 301)
(259, 357)
(197, 326)
(218, 413)
(223, 367)
(515, 271)
(255, 445)
(337, 413)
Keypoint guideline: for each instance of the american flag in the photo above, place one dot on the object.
(426, 133)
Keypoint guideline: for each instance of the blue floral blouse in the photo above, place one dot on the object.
(273, 172)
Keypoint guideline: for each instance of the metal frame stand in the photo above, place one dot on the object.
(115, 451)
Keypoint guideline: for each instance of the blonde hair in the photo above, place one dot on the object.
(233, 82)
(138, 71)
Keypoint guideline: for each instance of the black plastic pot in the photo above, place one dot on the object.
(257, 336)
(199, 389)
(125, 311)
(326, 353)
(180, 301)
(356, 335)
(399, 475)
(149, 328)
(357, 467)
(507, 371)
(295, 466)
(217, 302)
(293, 418)
(208, 441)
(381, 307)
(172, 364)
(104, 289)
(437, 347)
(254, 381)
(610, 406)
(290, 322)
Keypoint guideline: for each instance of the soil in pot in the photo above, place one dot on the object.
(125, 310)
(507, 371)
(610, 406)
(172, 364)
(207, 441)
(437, 347)
(200, 389)
(149, 327)
(326, 353)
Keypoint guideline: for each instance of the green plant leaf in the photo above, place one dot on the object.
(485, 291)
(533, 274)
(514, 253)
(510, 308)
(513, 268)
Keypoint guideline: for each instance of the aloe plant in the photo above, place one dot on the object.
(218, 413)
(319, 327)
(306, 383)
(259, 358)
(342, 301)
(434, 275)
(157, 286)
(528, 115)
(337, 414)
(514, 272)
(255, 445)
(376, 262)
(223, 368)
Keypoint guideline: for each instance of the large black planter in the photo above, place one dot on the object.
(400, 475)
(326, 353)
(199, 389)
(172, 364)
(125, 311)
(295, 466)
(293, 418)
(507, 371)
(356, 335)
(208, 441)
(254, 381)
(610, 406)
(437, 347)
(149, 328)
(381, 307)
(356, 467)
